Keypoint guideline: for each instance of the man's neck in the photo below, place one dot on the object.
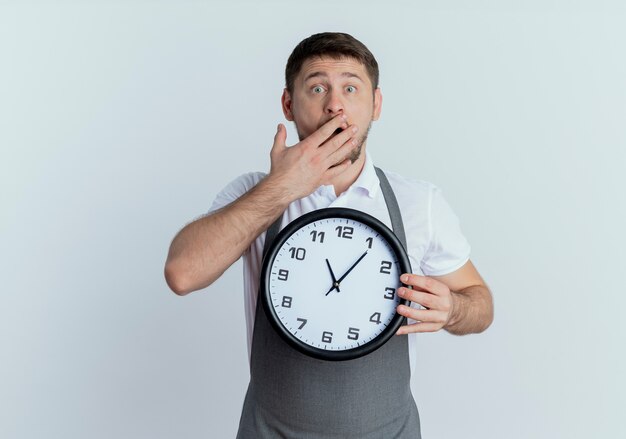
(344, 180)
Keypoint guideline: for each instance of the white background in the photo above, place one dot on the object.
(120, 121)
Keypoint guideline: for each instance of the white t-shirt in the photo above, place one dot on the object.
(435, 243)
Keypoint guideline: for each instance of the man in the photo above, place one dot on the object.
(332, 96)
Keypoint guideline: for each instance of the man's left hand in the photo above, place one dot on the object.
(432, 294)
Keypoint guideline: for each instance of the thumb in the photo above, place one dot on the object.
(280, 139)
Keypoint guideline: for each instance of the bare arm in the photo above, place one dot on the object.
(458, 302)
(205, 248)
(472, 311)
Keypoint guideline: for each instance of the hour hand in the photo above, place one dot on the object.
(335, 283)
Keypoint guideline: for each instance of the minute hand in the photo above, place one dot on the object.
(349, 270)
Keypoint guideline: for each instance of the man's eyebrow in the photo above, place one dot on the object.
(324, 75)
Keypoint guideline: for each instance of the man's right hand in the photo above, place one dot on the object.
(315, 161)
(203, 249)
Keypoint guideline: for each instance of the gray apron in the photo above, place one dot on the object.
(292, 395)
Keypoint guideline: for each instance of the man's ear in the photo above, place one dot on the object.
(286, 104)
(378, 103)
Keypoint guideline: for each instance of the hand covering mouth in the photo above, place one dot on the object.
(337, 131)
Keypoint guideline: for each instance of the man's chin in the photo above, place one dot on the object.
(354, 156)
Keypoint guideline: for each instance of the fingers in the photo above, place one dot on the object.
(337, 169)
(418, 327)
(426, 299)
(279, 139)
(325, 131)
(427, 320)
(341, 145)
(337, 151)
(423, 315)
(307, 162)
(433, 295)
(332, 149)
(424, 283)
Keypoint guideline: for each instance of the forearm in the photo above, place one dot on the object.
(205, 248)
(472, 311)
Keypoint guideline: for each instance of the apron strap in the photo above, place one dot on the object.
(271, 234)
(392, 206)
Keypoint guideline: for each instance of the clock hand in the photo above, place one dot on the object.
(335, 283)
(349, 270)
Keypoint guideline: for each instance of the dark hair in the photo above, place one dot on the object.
(335, 45)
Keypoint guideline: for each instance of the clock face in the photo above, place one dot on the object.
(330, 281)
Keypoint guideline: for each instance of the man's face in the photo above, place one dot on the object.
(326, 87)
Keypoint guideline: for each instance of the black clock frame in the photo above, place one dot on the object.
(283, 235)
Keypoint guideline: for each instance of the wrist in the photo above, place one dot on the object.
(278, 190)
(455, 310)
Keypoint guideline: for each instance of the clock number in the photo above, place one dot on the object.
(315, 234)
(375, 318)
(369, 241)
(283, 274)
(297, 253)
(391, 293)
(385, 267)
(303, 322)
(286, 302)
(344, 232)
(353, 333)
(327, 337)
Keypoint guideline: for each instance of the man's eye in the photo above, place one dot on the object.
(318, 89)
(351, 89)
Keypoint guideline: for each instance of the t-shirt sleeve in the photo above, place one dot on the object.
(235, 189)
(448, 250)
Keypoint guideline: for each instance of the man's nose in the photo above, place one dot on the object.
(334, 103)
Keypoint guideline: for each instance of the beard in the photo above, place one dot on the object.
(355, 153)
